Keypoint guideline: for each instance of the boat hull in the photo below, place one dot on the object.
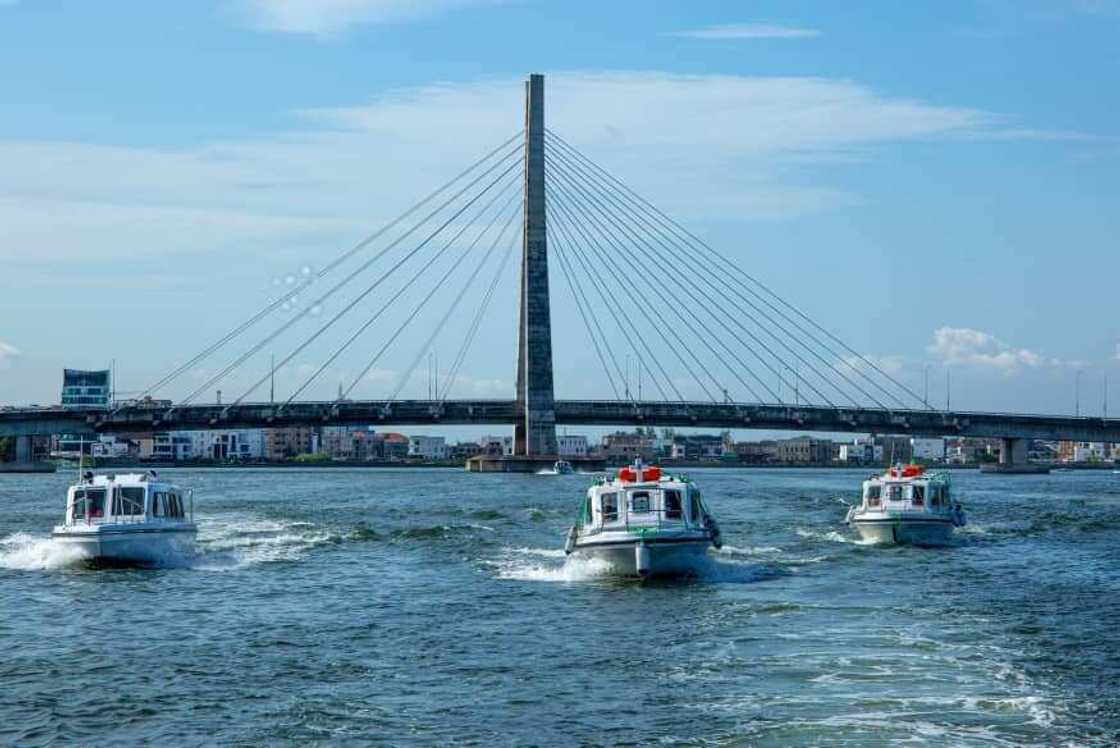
(130, 545)
(657, 558)
(900, 530)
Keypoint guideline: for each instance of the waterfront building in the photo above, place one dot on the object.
(286, 442)
(572, 446)
(757, 453)
(927, 450)
(862, 451)
(1083, 451)
(464, 450)
(626, 446)
(85, 389)
(704, 447)
(805, 450)
(496, 446)
(350, 444)
(171, 446)
(427, 447)
(394, 446)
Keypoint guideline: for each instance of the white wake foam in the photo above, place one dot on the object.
(571, 569)
(24, 552)
(245, 541)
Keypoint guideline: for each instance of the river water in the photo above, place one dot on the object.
(431, 606)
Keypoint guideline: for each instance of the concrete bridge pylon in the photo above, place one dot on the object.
(535, 430)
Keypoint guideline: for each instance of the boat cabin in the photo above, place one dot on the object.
(642, 497)
(132, 497)
(907, 488)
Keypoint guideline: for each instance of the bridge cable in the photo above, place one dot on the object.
(659, 236)
(647, 249)
(458, 298)
(468, 339)
(563, 234)
(634, 333)
(604, 258)
(292, 293)
(695, 241)
(354, 302)
(389, 302)
(362, 268)
(400, 292)
(704, 340)
(584, 307)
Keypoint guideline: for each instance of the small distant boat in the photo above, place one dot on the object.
(562, 467)
(133, 518)
(907, 505)
(644, 523)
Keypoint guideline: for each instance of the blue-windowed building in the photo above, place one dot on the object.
(85, 389)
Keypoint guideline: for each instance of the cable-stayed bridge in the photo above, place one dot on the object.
(710, 344)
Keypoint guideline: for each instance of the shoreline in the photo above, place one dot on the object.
(448, 464)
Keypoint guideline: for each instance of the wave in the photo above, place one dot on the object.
(832, 536)
(24, 552)
(436, 532)
(521, 564)
(241, 542)
(571, 569)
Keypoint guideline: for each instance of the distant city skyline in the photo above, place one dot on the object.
(922, 180)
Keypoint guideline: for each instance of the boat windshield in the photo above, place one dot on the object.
(673, 506)
(128, 501)
(694, 506)
(89, 503)
(874, 494)
(639, 502)
(609, 507)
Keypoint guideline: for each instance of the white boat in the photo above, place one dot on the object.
(562, 467)
(133, 518)
(644, 523)
(907, 505)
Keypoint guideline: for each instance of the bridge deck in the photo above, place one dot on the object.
(804, 418)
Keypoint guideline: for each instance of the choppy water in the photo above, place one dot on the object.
(420, 607)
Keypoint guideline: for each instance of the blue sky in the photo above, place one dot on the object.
(936, 182)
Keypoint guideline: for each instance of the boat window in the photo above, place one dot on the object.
(176, 505)
(639, 502)
(585, 510)
(935, 495)
(694, 506)
(609, 506)
(79, 506)
(159, 506)
(128, 501)
(89, 503)
(673, 505)
(918, 495)
(874, 491)
(894, 492)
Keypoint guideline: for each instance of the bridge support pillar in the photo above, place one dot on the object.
(535, 432)
(1013, 459)
(23, 458)
(23, 450)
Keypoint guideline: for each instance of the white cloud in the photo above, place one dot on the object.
(962, 345)
(748, 31)
(8, 353)
(324, 17)
(711, 145)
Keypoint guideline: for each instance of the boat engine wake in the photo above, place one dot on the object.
(24, 552)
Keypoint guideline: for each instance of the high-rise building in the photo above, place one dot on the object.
(85, 389)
